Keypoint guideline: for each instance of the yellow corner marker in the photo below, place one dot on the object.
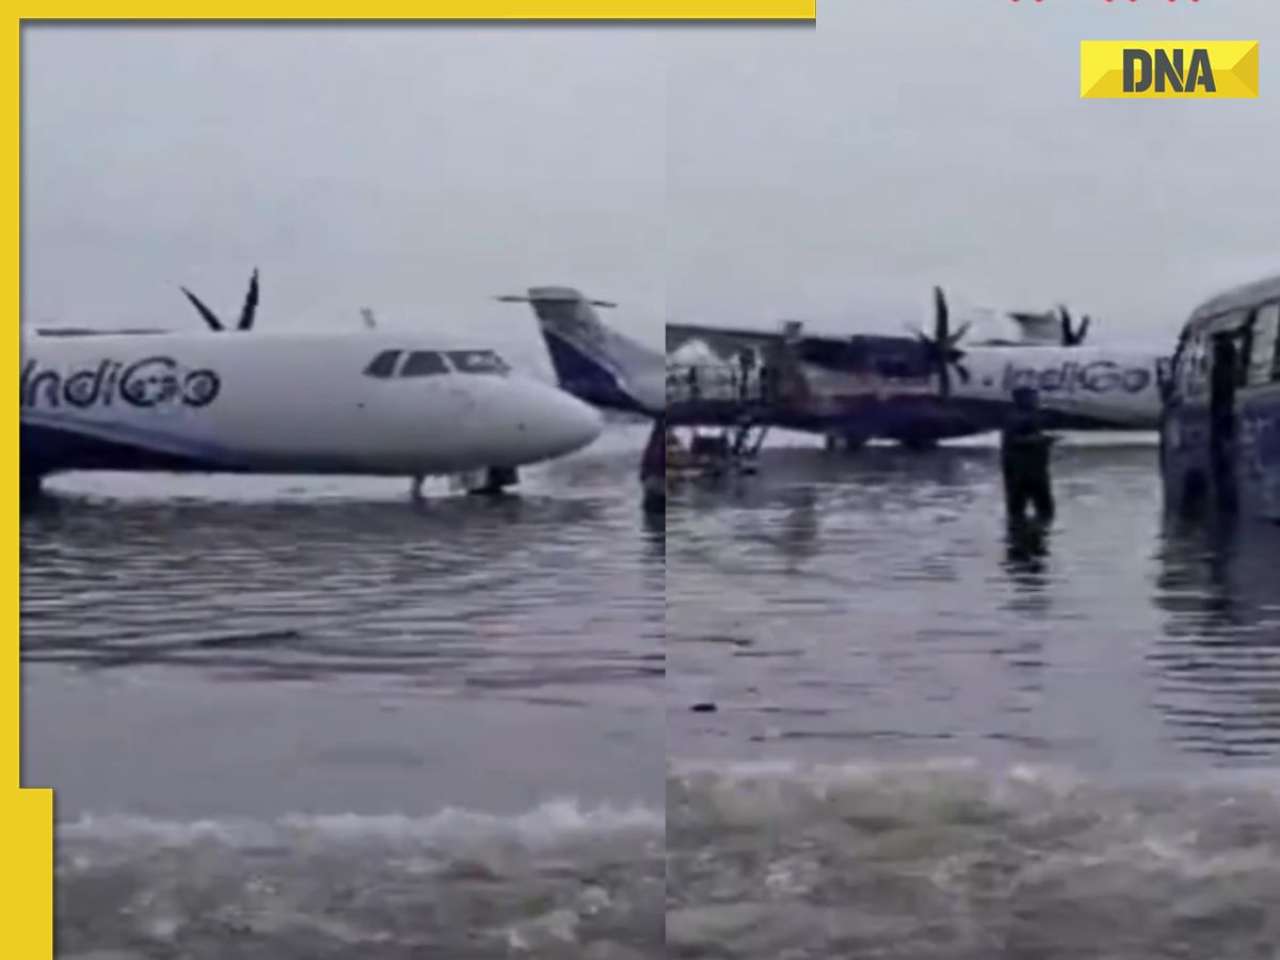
(1168, 69)
(754, 10)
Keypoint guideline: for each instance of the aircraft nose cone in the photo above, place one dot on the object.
(576, 423)
(535, 421)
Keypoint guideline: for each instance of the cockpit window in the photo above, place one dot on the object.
(424, 363)
(477, 361)
(383, 365)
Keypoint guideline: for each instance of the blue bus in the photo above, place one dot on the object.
(1220, 418)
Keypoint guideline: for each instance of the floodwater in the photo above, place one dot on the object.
(307, 718)
(835, 710)
(900, 731)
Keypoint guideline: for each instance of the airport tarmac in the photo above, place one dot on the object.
(897, 731)
(305, 717)
(302, 719)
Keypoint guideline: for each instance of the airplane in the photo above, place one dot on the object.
(605, 368)
(915, 390)
(373, 402)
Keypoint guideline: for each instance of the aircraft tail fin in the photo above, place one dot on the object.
(592, 361)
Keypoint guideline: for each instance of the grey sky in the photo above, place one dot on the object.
(839, 173)
(418, 170)
(714, 174)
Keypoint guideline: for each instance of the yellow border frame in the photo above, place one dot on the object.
(27, 815)
(26, 931)
(426, 10)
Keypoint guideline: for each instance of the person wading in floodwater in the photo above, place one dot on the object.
(653, 467)
(1024, 459)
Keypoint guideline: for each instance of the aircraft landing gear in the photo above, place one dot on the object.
(847, 442)
(496, 479)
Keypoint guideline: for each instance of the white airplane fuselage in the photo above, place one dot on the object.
(1093, 387)
(1112, 386)
(284, 403)
(1080, 388)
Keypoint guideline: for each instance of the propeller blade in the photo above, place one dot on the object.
(964, 373)
(1070, 337)
(959, 334)
(250, 303)
(210, 317)
(941, 315)
(511, 298)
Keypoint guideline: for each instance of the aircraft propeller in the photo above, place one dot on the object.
(1072, 338)
(942, 347)
(246, 312)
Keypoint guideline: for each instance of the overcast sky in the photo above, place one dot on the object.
(712, 174)
(417, 170)
(839, 173)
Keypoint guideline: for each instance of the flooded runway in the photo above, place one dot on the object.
(950, 860)
(308, 718)
(900, 731)
(838, 710)
(878, 605)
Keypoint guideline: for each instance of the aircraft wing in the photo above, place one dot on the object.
(1038, 327)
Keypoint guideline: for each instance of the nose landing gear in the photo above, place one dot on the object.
(496, 479)
(491, 483)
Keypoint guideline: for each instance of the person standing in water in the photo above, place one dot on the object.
(653, 467)
(1024, 459)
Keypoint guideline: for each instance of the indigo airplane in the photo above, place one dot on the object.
(915, 390)
(372, 402)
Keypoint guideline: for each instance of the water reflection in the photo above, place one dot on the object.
(884, 596)
(799, 526)
(458, 594)
(1026, 550)
(1218, 658)
(654, 525)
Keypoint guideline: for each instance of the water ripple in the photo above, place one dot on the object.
(882, 597)
(541, 590)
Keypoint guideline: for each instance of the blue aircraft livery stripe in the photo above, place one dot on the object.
(585, 376)
(58, 441)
